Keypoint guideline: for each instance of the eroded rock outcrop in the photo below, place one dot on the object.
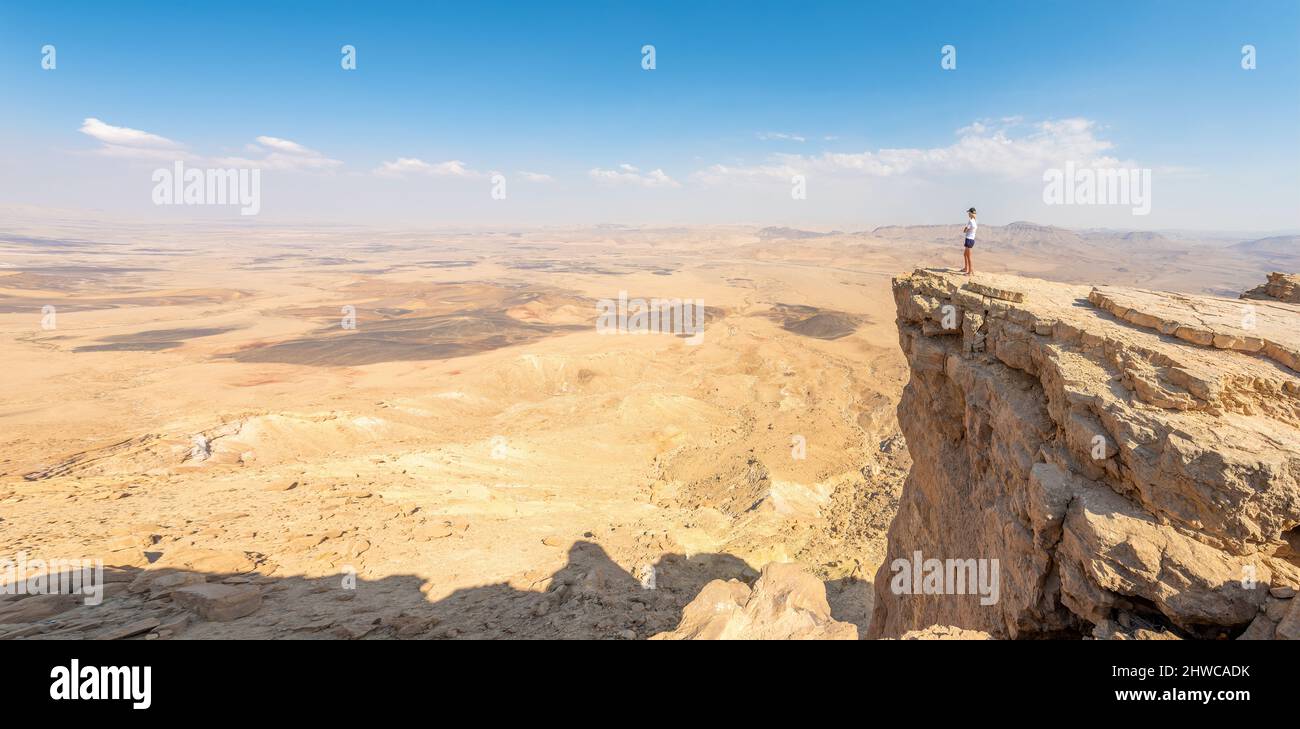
(785, 603)
(1283, 287)
(945, 632)
(1130, 459)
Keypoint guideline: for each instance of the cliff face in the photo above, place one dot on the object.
(1280, 286)
(1107, 462)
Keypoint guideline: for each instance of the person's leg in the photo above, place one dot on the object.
(965, 254)
(970, 267)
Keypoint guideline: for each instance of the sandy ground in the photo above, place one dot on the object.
(474, 455)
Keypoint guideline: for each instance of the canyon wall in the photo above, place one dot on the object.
(1126, 463)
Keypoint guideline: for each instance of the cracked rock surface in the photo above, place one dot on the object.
(1130, 458)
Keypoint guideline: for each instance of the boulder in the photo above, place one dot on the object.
(945, 632)
(219, 602)
(1289, 627)
(785, 603)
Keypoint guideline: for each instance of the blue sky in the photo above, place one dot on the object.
(553, 97)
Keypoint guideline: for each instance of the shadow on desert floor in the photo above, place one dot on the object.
(590, 597)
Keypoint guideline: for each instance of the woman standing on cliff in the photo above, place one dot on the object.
(971, 225)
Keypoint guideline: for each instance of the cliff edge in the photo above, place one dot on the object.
(1283, 287)
(1094, 462)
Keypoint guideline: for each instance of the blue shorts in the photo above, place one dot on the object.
(970, 242)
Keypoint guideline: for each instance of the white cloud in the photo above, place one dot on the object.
(276, 153)
(280, 154)
(627, 174)
(124, 137)
(402, 165)
(411, 165)
(454, 168)
(781, 136)
(284, 145)
(1006, 148)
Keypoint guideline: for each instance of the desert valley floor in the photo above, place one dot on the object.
(473, 453)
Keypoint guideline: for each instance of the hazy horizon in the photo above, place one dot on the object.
(37, 216)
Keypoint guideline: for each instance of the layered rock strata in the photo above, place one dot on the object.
(1125, 462)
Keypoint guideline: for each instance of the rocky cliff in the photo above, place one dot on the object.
(1280, 286)
(1098, 462)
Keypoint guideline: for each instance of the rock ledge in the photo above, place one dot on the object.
(1130, 458)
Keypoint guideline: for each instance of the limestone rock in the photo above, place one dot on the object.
(1281, 286)
(1289, 627)
(993, 292)
(1268, 329)
(1261, 628)
(1276, 608)
(945, 632)
(160, 583)
(210, 561)
(38, 607)
(1109, 629)
(1131, 459)
(130, 629)
(785, 603)
(218, 602)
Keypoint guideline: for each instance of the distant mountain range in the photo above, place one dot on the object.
(1017, 233)
(1280, 251)
(793, 233)
(1284, 246)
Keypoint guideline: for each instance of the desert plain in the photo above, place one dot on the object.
(421, 433)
